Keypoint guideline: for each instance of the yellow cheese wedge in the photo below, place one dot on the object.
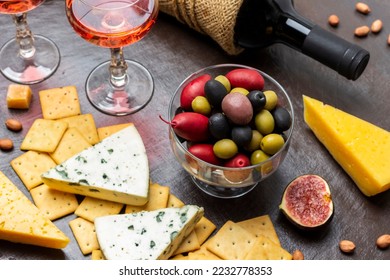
(22, 222)
(19, 96)
(361, 148)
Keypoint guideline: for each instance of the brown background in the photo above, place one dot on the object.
(172, 51)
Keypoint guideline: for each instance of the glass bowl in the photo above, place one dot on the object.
(220, 181)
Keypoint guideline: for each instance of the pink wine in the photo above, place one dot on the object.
(110, 23)
(16, 7)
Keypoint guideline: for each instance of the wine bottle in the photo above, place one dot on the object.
(261, 23)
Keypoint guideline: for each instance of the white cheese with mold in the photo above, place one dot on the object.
(115, 169)
(146, 235)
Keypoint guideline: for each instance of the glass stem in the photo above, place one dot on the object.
(24, 36)
(118, 68)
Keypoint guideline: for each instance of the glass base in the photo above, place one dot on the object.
(122, 101)
(33, 70)
(222, 192)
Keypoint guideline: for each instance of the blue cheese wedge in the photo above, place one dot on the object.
(115, 169)
(146, 235)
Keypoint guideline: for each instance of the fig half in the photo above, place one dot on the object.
(307, 202)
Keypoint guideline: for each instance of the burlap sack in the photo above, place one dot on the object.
(215, 18)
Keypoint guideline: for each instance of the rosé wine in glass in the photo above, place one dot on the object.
(120, 86)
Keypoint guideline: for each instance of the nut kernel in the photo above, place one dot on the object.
(376, 26)
(347, 246)
(363, 8)
(383, 241)
(13, 125)
(362, 31)
(6, 144)
(297, 255)
(333, 20)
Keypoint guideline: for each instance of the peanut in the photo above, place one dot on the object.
(13, 125)
(347, 246)
(333, 20)
(363, 8)
(383, 241)
(388, 40)
(297, 255)
(376, 26)
(6, 144)
(362, 31)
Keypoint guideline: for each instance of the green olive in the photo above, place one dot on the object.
(201, 105)
(225, 148)
(258, 156)
(254, 144)
(223, 80)
(241, 90)
(272, 143)
(271, 100)
(264, 122)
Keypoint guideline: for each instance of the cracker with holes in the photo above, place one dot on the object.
(44, 135)
(97, 255)
(231, 242)
(57, 103)
(203, 229)
(85, 235)
(71, 143)
(189, 244)
(158, 199)
(30, 165)
(91, 207)
(265, 249)
(52, 203)
(86, 126)
(174, 201)
(261, 225)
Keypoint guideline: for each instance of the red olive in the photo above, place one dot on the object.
(193, 89)
(247, 78)
(204, 152)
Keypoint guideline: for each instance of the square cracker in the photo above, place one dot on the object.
(86, 125)
(174, 201)
(158, 199)
(71, 143)
(30, 165)
(52, 203)
(57, 103)
(85, 235)
(106, 131)
(202, 254)
(261, 225)
(189, 244)
(203, 229)
(97, 255)
(265, 249)
(231, 242)
(44, 135)
(91, 207)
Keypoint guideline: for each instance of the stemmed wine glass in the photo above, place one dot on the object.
(120, 86)
(28, 58)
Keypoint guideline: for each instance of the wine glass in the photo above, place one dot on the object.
(28, 58)
(120, 86)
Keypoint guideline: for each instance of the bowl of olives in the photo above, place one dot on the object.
(230, 128)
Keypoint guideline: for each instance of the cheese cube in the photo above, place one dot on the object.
(19, 96)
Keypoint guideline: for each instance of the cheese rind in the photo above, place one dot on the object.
(146, 235)
(22, 222)
(361, 148)
(115, 169)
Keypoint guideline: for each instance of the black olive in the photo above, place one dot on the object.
(257, 99)
(242, 135)
(219, 126)
(215, 91)
(282, 119)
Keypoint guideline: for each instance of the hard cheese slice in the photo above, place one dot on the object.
(115, 169)
(22, 222)
(146, 235)
(361, 148)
